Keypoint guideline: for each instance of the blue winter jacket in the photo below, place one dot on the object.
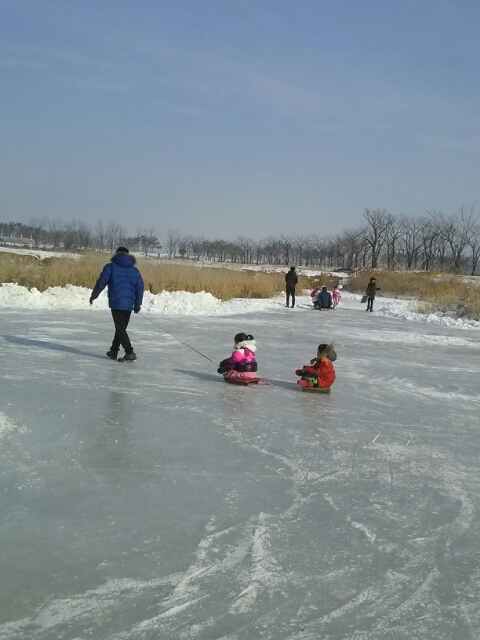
(324, 300)
(125, 284)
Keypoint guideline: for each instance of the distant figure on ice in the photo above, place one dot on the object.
(324, 299)
(125, 294)
(336, 295)
(242, 363)
(291, 281)
(371, 292)
(320, 373)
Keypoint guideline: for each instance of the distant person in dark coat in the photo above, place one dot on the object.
(125, 294)
(291, 280)
(324, 299)
(371, 292)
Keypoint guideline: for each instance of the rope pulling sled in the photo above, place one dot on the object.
(238, 381)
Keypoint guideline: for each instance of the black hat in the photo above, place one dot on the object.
(122, 250)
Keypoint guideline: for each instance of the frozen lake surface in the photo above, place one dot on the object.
(153, 501)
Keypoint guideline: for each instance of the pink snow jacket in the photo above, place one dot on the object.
(244, 353)
(336, 295)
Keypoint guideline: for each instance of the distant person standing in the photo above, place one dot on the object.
(125, 294)
(291, 280)
(371, 292)
(336, 295)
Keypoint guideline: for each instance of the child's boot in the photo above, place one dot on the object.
(305, 383)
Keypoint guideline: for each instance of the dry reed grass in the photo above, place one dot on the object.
(221, 282)
(434, 291)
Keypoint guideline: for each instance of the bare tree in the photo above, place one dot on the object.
(393, 232)
(474, 245)
(37, 230)
(101, 235)
(85, 235)
(172, 243)
(411, 239)
(456, 231)
(287, 244)
(70, 235)
(55, 232)
(377, 223)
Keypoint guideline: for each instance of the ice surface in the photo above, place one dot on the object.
(151, 500)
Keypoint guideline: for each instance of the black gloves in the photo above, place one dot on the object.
(136, 309)
(91, 300)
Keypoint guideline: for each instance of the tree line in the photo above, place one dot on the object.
(432, 242)
(78, 236)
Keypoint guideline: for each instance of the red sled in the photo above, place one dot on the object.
(242, 381)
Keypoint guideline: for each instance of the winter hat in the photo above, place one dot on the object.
(327, 351)
(242, 337)
(122, 250)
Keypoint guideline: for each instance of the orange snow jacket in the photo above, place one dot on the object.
(325, 372)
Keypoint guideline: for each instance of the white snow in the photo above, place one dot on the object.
(14, 296)
(41, 254)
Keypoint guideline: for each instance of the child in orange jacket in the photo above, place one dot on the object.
(320, 373)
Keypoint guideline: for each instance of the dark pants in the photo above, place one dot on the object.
(370, 303)
(121, 319)
(291, 292)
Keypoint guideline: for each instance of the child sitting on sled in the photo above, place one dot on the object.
(242, 363)
(320, 373)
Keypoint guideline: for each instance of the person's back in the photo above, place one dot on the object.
(125, 284)
(324, 299)
(125, 294)
(291, 280)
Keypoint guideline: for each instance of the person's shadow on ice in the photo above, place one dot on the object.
(30, 342)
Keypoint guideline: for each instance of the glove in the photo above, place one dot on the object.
(313, 360)
(136, 309)
(299, 372)
(223, 369)
(91, 300)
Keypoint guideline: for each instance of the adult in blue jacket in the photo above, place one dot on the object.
(125, 294)
(324, 299)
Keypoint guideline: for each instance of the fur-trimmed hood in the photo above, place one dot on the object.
(328, 352)
(251, 345)
(124, 260)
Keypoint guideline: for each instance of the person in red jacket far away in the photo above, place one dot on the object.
(320, 373)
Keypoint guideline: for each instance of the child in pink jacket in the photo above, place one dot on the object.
(242, 363)
(336, 295)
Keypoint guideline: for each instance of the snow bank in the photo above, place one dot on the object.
(405, 310)
(13, 296)
(39, 253)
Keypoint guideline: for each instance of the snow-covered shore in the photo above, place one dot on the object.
(182, 303)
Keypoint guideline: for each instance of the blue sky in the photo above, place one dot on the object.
(226, 118)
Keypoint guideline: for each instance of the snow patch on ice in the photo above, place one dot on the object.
(6, 426)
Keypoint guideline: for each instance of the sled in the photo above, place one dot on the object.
(242, 381)
(316, 389)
